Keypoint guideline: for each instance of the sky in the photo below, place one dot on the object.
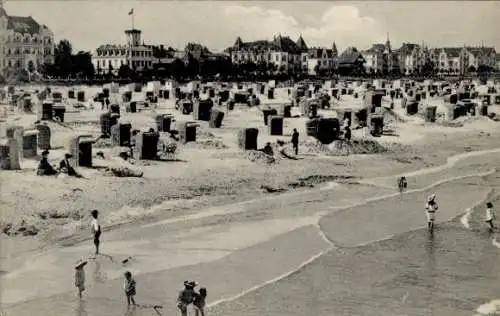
(216, 24)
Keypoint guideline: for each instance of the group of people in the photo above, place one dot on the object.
(188, 296)
(431, 208)
(46, 169)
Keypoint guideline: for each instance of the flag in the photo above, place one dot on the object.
(131, 11)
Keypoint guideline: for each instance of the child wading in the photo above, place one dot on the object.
(80, 277)
(490, 216)
(96, 230)
(129, 287)
(186, 296)
(200, 302)
(430, 210)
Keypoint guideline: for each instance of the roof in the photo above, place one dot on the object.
(317, 53)
(407, 48)
(334, 49)
(23, 25)
(301, 44)
(111, 47)
(376, 48)
(350, 56)
(478, 51)
(498, 57)
(452, 51)
(279, 43)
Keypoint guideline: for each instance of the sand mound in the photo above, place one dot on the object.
(259, 157)
(343, 148)
(103, 143)
(207, 144)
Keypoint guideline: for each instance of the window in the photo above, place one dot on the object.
(277, 58)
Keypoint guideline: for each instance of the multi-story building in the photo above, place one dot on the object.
(282, 52)
(109, 57)
(498, 61)
(411, 58)
(449, 60)
(380, 58)
(24, 44)
(321, 60)
(474, 57)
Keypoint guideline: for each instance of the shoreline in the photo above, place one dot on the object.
(197, 204)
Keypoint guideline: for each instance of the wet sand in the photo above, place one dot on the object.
(326, 286)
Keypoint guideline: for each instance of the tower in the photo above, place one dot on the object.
(133, 37)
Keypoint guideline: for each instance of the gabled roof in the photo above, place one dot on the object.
(481, 51)
(301, 44)
(23, 25)
(279, 43)
(3, 12)
(334, 49)
(317, 53)
(376, 48)
(350, 56)
(452, 51)
(407, 48)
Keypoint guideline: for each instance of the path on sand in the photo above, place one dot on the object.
(233, 248)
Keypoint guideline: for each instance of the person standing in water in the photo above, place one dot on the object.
(96, 230)
(80, 277)
(186, 297)
(430, 209)
(490, 216)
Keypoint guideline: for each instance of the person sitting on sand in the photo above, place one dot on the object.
(430, 209)
(268, 149)
(186, 296)
(490, 216)
(65, 166)
(44, 167)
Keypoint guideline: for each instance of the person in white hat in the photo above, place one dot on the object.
(80, 277)
(430, 209)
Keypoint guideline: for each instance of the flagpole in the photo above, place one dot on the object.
(133, 14)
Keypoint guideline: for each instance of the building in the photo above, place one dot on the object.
(282, 52)
(24, 43)
(380, 59)
(110, 57)
(449, 60)
(474, 57)
(498, 62)
(351, 62)
(321, 60)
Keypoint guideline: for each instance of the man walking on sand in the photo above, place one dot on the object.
(295, 141)
(96, 230)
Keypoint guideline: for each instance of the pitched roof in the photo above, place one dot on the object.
(2, 11)
(279, 43)
(334, 49)
(301, 44)
(317, 52)
(376, 48)
(407, 48)
(452, 51)
(23, 25)
(478, 51)
(350, 56)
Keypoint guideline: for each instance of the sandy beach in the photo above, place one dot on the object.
(196, 218)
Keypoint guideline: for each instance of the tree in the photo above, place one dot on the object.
(62, 59)
(125, 72)
(82, 65)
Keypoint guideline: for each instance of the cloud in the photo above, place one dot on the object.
(340, 23)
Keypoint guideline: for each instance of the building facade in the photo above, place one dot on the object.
(108, 58)
(24, 44)
(474, 58)
(282, 52)
(321, 60)
(380, 59)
